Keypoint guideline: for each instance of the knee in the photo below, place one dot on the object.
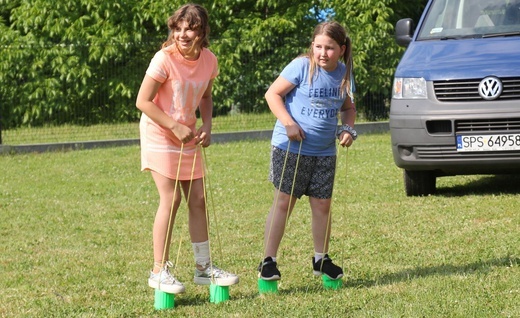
(281, 208)
(197, 203)
(169, 201)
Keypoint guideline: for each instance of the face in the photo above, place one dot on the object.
(327, 52)
(185, 37)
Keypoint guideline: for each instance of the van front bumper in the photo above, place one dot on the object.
(424, 136)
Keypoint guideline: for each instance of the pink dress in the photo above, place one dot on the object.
(183, 84)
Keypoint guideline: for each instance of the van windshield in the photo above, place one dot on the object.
(456, 19)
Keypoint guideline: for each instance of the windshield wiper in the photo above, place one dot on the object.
(495, 35)
(459, 37)
(444, 38)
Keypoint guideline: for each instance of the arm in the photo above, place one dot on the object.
(144, 102)
(347, 116)
(206, 113)
(275, 99)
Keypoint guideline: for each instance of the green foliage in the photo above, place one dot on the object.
(371, 25)
(82, 61)
(56, 56)
(254, 40)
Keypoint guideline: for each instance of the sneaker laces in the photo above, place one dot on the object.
(165, 276)
(215, 272)
(267, 261)
(163, 265)
(327, 267)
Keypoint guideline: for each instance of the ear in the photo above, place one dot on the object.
(343, 49)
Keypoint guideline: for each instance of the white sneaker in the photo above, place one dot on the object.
(164, 281)
(216, 275)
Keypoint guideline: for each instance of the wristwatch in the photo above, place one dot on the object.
(348, 129)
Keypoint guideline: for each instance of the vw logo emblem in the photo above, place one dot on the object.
(490, 88)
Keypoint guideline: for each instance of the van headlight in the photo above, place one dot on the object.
(409, 88)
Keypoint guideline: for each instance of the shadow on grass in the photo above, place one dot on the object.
(493, 184)
(441, 270)
(203, 298)
(315, 287)
(186, 301)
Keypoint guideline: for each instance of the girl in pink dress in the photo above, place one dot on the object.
(179, 80)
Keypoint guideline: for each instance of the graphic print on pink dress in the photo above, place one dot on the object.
(186, 95)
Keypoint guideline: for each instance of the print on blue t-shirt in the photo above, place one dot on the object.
(314, 107)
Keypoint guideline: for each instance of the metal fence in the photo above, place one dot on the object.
(107, 111)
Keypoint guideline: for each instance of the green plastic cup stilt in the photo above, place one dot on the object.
(267, 286)
(218, 294)
(164, 300)
(330, 283)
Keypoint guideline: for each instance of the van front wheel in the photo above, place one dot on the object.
(419, 183)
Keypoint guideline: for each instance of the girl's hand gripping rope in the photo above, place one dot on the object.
(203, 137)
(346, 135)
(183, 132)
(345, 140)
(294, 132)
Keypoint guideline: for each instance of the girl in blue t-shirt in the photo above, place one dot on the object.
(307, 98)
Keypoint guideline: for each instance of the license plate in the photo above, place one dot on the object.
(488, 142)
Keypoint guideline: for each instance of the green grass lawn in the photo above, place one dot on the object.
(75, 232)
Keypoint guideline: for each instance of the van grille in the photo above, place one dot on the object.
(467, 90)
(450, 152)
(488, 125)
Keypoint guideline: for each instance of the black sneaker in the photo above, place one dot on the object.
(326, 267)
(267, 270)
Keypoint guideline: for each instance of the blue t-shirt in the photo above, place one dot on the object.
(315, 108)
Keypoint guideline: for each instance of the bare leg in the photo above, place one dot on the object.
(198, 224)
(276, 221)
(321, 223)
(161, 243)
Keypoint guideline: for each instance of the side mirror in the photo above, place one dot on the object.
(404, 29)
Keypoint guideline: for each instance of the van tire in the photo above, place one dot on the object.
(419, 183)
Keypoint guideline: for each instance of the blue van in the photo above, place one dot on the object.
(455, 107)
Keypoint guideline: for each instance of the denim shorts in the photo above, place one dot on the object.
(314, 174)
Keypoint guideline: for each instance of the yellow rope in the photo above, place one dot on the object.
(293, 182)
(170, 219)
(188, 197)
(191, 177)
(187, 202)
(206, 175)
(278, 194)
(215, 218)
(329, 217)
(178, 252)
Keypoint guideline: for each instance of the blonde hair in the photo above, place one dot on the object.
(197, 19)
(338, 33)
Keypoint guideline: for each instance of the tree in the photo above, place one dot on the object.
(371, 25)
(255, 39)
(56, 56)
(82, 61)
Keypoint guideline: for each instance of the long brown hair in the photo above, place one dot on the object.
(197, 18)
(335, 31)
